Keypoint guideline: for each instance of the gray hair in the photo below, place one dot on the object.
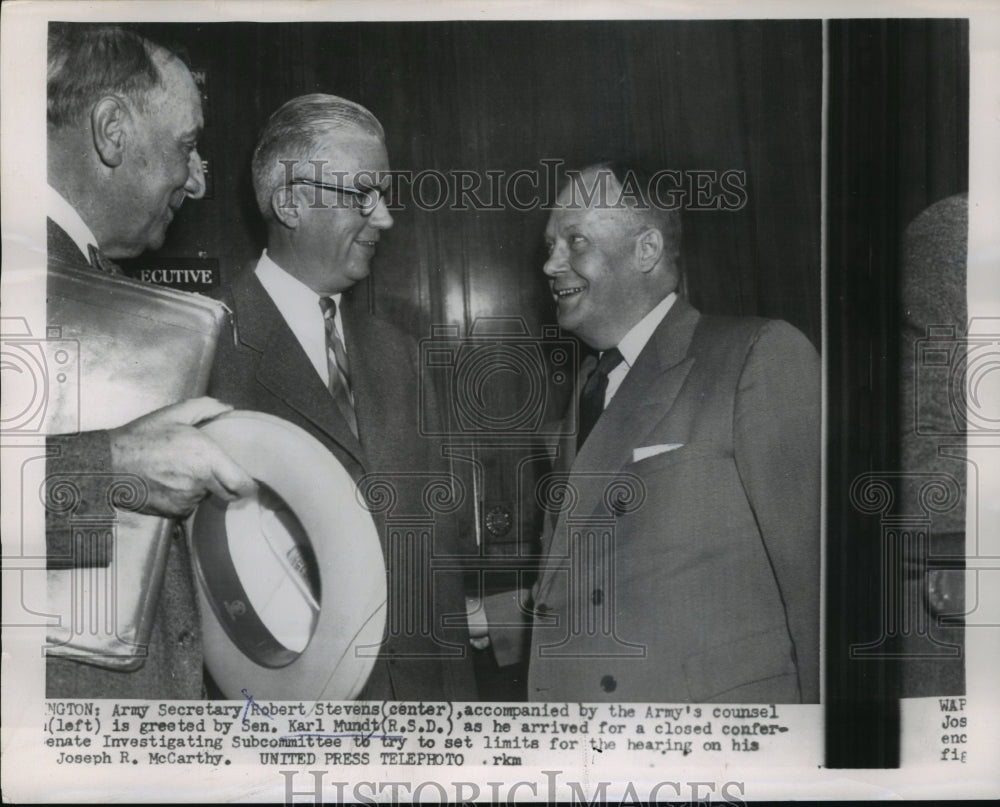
(292, 133)
(86, 62)
(637, 181)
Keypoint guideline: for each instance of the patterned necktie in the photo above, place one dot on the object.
(102, 263)
(592, 397)
(336, 363)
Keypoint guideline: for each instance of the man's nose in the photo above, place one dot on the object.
(555, 263)
(195, 185)
(381, 217)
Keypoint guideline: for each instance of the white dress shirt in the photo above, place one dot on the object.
(65, 215)
(634, 341)
(299, 305)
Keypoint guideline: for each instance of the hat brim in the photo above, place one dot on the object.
(247, 587)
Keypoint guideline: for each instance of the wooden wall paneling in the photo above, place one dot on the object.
(723, 91)
(494, 62)
(934, 111)
(783, 132)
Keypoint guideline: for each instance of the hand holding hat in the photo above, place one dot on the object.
(179, 463)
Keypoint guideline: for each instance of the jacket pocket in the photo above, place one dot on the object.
(667, 459)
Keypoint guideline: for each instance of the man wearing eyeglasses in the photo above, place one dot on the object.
(308, 353)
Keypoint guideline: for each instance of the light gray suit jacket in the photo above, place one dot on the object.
(691, 572)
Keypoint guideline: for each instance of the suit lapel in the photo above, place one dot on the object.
(62, 249)
(371, 366)
(284, 368)
(645, 396)
(385, 384)
(643, 400)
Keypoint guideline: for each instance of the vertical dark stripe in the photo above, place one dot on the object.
(862, 718)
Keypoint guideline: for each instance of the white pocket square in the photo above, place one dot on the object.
(646, 452)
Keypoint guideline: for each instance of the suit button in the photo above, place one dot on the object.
(597, 597)
(608, 683)
(184, 638)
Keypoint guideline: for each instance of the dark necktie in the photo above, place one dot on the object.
(336, 363)
(592, 397)
(101, 262)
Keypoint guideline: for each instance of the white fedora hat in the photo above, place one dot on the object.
(291, 581)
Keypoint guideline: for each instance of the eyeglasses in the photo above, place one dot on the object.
(364, 199)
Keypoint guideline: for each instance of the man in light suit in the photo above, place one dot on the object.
(311, 354)
(124, 117)
(684, 563)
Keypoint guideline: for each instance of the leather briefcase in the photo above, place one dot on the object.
(140, 347)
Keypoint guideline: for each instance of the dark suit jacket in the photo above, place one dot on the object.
(173, 667)
(69, 454)
(268, 371)
(691, 574)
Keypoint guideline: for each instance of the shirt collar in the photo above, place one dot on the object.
(299, 306)
(66, 216)
(635, 340)
(287, 285)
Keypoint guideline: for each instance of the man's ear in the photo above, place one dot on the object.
(108, 121)
(649, 249)
(285, 207)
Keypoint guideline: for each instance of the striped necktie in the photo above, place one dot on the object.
(336, 363)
